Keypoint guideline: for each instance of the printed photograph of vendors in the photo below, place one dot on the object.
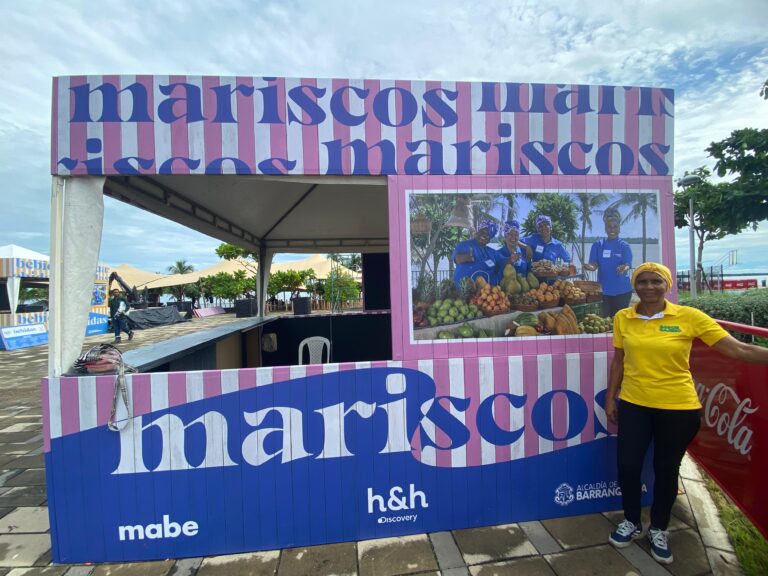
(502, 265)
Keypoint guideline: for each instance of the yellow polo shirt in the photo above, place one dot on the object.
(657, 372)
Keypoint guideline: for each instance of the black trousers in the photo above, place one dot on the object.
(671, 431)
(612, 304)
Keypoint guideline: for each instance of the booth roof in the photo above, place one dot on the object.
(136, 277)
(279, 213)
(318, 262)
(14, 251)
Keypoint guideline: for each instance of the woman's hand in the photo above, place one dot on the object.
(591, 267)
(611, 410)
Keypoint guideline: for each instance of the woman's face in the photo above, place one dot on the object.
(612, 228)
(650, 287)
(483, 236)
(511, 239)
(544, 230)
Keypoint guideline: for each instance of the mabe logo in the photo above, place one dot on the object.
(168, 529)
(397, 501)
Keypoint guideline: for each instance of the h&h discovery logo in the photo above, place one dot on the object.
(397, 501)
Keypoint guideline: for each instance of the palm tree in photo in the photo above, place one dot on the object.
(586, 205)
(180, 267)
(640, 204)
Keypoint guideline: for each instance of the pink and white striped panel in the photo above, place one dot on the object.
(75, 404)
(251, 120)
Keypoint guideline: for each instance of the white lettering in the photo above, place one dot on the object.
(397, 501)
(172, 440)
(730, 425)
(154, 531)
(334, 420)
(292, 429)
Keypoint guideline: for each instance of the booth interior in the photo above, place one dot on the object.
(268, 215)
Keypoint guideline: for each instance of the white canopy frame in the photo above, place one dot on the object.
(263, 214)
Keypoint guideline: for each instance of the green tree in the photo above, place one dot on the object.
(247, 259)
(744, 154)
(180, 267)
(228, 286)
(439, 242)
(712, 218)
(292, 281)
(561, 209)
(640, 204)
(340, 287)
(352, 261)
(33, 294)
(586, 204)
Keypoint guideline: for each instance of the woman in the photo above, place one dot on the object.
(543, 246)
(658, 400)
(516, 253)
(474, 258)
(612, 258)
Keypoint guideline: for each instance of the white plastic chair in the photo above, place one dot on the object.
(316, 345)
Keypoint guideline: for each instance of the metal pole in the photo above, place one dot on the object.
(693, 249)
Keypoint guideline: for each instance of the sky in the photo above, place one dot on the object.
(714, 54)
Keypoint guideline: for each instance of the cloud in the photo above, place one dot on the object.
(712, 53)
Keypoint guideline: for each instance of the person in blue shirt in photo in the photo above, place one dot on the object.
(612, 258)
(474, 258)
(543, 245)
(517, 253)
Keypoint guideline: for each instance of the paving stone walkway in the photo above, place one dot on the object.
(572, 546)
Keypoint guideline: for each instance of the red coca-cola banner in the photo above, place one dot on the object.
(732, 445)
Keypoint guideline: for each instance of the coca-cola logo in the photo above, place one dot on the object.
(726, 414)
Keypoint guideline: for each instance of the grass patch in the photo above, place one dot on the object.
(751, 548)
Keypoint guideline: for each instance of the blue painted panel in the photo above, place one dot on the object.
(302, 462)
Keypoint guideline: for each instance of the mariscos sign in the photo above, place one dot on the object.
(243, 125)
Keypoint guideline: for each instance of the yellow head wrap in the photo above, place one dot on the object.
(658, 269)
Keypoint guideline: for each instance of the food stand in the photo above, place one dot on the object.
(431, 433)
(25, 326)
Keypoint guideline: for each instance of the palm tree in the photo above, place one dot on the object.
(640, 203)
(180, 267)
(585, 204)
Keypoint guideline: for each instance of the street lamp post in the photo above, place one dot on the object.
(686, 182)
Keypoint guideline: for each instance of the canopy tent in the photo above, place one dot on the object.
(14, 251)
(136, 277)
(320, 263)
(11, 274)
(277, 214)
(266, 215)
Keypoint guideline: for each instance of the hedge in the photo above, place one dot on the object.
(734, 307)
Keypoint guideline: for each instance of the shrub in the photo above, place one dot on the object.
(734, 307)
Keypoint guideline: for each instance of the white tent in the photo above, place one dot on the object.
(136, 277)
(264, 214)
(13, 282)
(14, 251)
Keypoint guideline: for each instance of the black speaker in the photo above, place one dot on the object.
(246, 308)
(302, 305)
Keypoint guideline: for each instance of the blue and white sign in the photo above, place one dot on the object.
(97, 324)
(14, 337)
(341, 455)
